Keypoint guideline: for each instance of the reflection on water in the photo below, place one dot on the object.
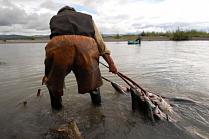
(172, 69)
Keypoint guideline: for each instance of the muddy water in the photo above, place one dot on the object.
(177, 70)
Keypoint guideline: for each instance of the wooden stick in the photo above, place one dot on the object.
(134, 83)
(122, 76)
(106, 79)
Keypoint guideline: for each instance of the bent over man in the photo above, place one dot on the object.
(75, 45)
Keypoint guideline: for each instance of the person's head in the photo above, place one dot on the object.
(66, 8)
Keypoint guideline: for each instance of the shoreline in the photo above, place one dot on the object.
(106, 39)
(23, 41)
(157, 38)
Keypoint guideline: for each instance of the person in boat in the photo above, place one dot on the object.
(138, 38)
(75, 45)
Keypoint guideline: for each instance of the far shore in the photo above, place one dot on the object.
(24, 41)
(106, 39)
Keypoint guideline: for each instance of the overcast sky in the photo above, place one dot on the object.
(31, 17)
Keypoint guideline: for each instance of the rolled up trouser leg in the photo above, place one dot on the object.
(96, 97)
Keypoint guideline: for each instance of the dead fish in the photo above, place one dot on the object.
(159, 114)
(164, 106)
(120, 89)
(38, 92)
(141, 102)
(153, 97)
(161, 103)
(135, 99)
(149, 101)
(150, 106)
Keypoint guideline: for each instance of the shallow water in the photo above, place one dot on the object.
(172, 69)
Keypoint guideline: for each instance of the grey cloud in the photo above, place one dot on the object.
(117, 18)
(13, 18)
(11, 14)
(109, 30)
(172, 26)
(90, 3)
(5, 3)
(176, 25)
(38, 22)
(49, 4)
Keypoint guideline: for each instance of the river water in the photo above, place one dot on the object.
(172, 69)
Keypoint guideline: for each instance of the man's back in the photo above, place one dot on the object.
(76, 45)
(68, 22)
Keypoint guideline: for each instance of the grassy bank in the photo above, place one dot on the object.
(160, 36)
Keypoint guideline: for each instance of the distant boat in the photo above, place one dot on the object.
(134, 42)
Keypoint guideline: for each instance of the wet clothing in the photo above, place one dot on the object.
(75, 53)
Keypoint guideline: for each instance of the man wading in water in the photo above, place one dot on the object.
(75, 45)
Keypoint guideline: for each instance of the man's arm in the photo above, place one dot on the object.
(104, 52)
(112, 67)
(100, 42)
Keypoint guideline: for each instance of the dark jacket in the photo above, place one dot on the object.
(69, 22)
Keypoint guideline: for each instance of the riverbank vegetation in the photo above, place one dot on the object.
(178, 35)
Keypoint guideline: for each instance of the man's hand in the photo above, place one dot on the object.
(44, 80)
(112, 67)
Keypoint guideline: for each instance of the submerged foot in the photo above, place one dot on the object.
(96, 97)
(56, 102)
(57, 106)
